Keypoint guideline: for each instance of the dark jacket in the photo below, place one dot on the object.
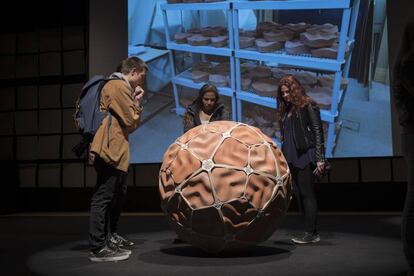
(403, 79)
(308, 131)
(192, 118)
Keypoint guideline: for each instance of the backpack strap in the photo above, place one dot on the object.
(109, 124)
(112, 77)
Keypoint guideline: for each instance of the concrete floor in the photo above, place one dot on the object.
(356, 245)
(366, 122)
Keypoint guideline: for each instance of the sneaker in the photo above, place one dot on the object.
(106, 254)
(307, 238)
(178, 241)
(119, 240)
(116, 248)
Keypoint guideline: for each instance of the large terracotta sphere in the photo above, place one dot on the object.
(224, 186)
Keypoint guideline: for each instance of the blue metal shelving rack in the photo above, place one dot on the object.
(184, 78)
(339, 67)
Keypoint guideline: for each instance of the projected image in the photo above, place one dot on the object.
(339, 55)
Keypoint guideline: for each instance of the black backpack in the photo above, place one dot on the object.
(88, 116)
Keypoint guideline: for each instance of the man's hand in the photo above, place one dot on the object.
(138, 95)
(320, 165)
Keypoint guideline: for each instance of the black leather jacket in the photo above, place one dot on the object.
(192, 119)
(308, 131)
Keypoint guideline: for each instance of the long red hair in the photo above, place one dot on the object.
(298, 96)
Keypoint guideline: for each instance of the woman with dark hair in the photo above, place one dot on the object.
(206, 108)
(303, 147)
(403, 90)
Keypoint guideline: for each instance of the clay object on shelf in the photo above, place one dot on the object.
(213, 31)
(219, 79)
(328, 52)
(322, 96)
(181, 38)
(223, 67)
(267, 46)
(194, 31)
(318, 40)
(203, 67)
(278, 35)
(260, 72)
(201, 64)
(261, 121)
(297, 28)
(246, 42)
(264, 118)
(246, 81)
(216, 58)
(279, 73)
(249, 121)
(198, 40)
(266, 26)
(219, 41)
(328, 80)
(326, 28)
(266, 87)
(296, 47)
(269, 131)
(306, 78)
(267, 113)
(246, 67)
(247, 33)
(199, 76)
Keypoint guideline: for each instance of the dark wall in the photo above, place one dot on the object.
(108, 35)
(43, 54)
(398, 14)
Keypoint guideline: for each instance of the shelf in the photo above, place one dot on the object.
(197, 6)
(281, 58)
(292, 5)
(251, 97)
(184, 79)
(256, 99)
(286, 59)
(200, 49)
(304, 60)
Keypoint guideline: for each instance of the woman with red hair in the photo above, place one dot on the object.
(303, 147)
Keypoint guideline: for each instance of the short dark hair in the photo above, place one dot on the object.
(130, 63)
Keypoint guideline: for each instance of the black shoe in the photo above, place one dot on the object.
(307, 238)
(120, 241)
(116, 248)
(178, 241)
(106, 254)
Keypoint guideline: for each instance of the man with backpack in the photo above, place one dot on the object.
(120, 99)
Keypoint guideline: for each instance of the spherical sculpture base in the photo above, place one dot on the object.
(224, 186)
